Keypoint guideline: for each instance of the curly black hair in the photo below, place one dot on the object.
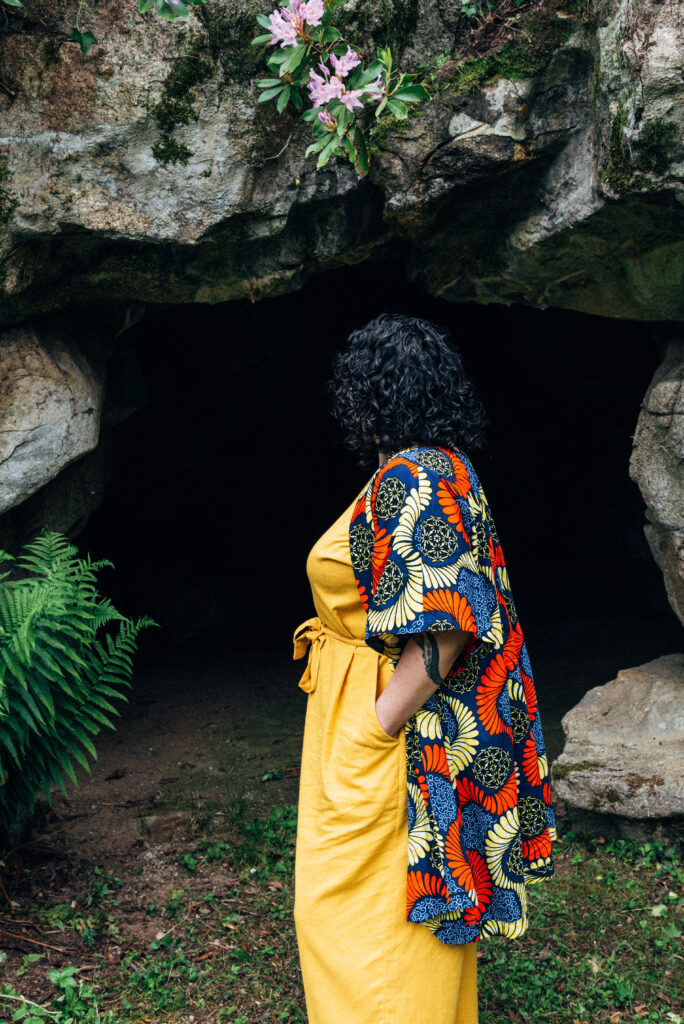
(400, 382)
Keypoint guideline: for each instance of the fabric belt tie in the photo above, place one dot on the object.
(313, 635)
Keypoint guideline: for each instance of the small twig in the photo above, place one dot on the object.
(46, 945)
(30, 1002)
(78, 15)
(276, 155)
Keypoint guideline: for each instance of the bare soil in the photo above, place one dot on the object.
(203, 733)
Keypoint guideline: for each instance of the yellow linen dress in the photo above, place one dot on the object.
(362, 961)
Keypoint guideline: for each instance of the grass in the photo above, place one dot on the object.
(603, 945)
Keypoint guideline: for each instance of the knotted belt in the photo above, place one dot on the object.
(314, 634)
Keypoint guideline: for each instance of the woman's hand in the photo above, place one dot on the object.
(420, 671)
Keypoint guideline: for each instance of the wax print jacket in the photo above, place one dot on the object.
(426, 556)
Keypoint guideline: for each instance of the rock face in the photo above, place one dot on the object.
(657, 466)
(546, 168)
(50, 401)
(624, 750)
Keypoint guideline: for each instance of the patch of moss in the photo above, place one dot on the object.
(532, 42)
(176, 103)
(8, 201)
(387, 125)
(228, 41)
(596, 83)
(656, 145)
(469, 74)
(169, 151)
(619, 172)
(390, 23)
(560, 771)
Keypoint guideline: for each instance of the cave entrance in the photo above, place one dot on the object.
(231, 468)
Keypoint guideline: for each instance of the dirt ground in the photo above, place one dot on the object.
(208, 728)
(201, 734)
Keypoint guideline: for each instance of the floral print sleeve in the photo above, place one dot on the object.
(427, 557)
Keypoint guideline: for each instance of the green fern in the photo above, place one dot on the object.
(57, 678)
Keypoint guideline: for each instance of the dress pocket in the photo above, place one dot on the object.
(374, 732)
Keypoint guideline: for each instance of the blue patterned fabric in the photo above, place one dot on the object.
(426, 556)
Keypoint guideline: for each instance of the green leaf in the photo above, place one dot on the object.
(258, 40)
(68, 768)
(398, 108)
(296, 98)
(145, 6)
(371, 73)
(385, 56)
(282, 99)
(268, 83)
(411, 94)
(81, 758)
(169, 12)
(13, 3)
(349, 148)
(342, 119)
(308, 115)
(85, 39)
(279, 57)
(7, 742)
(380, 107)
(330, 34)
(19, 709)
(268, 94)
(294, 58)
(263, 20)
(327, 152)
(318, 145)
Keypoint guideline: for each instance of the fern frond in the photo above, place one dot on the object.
(59, 669)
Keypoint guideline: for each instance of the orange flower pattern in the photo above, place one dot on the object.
(426, 557)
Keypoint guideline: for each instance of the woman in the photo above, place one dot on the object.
(425, 807)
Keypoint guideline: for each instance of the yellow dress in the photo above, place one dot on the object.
(362, 961)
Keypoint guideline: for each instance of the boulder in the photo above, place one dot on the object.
(50, 402)
(657, 466)
(624, 747)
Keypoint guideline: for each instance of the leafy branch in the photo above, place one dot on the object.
(341, 91)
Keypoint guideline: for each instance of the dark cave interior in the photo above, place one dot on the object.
(232, 467)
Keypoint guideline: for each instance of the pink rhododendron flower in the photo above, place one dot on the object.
(288, 24)
(326, 118)
(312, 11)
(350, 98)
(326, 87)
(322, 89)
(345, 63)
(282, 30)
